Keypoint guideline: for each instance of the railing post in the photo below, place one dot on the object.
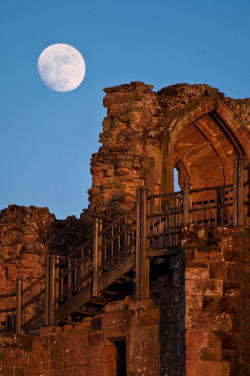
(95, 258)
(239, 175)
(144, 280)
(187, 203)
(218, 218)
(46, 292)
(138, 244)
(100, 225)
(241, 191)
(51, 289)
(19, 303)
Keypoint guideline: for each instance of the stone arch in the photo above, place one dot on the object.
(201, 143)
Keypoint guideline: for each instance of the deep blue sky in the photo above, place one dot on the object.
(47, 137)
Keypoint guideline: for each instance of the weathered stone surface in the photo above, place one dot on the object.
(140, 124)
(203, 292)
(216, 306)
(88, 351)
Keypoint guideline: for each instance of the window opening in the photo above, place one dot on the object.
(176, 185)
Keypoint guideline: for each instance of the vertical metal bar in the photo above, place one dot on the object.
(46, 292)
(147, 241)
(81, 268)
(69, 277)
(119, 238)
(186, 202)
(112, 242)
(56, 282)
(126, 232)
(100, 226)
(19, 288)
(52, 290)
(241, 177)
(138, 245)
(75, 274)
(95, 258)
(144, 261)
(218, 210)
(235, 191)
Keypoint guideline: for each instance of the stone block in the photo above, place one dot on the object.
(57, 358)
(14, 356)
(148, 316)
(231, 288)
(84, 325)
(75, 340)
(83, 371)
(210, 355)
(230, 254)
(98, 369)
(143, 333)
(24, 371)
(112, 334)
(193, 353)
(115, 319)
(77, 356)
(96, 338)
(194, 368)
(197, 338)
(49, 330)
(196, 273)
(234, 272)
(193, 288)
(70, 371)
(217, 270)
(144, 358)
(214, 287)
(194, 303)
(7, 371)
(40, 359)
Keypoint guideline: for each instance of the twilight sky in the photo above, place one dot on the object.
(47, 137)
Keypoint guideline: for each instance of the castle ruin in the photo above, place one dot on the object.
(150, 280)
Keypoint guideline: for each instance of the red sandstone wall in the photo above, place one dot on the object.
(88, 348)
(217, 302)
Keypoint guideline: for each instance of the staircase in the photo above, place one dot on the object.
(116, 261)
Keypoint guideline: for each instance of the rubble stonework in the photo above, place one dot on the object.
(138, 133)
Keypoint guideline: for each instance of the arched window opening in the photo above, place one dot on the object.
(176, 180)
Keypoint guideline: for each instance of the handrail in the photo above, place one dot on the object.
(204, 189)
(72, 254)
(116, 221)
(158, 195)
(4, 296)
(29, 287)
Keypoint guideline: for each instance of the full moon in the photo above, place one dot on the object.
(61, 67)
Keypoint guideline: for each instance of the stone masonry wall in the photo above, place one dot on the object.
(131, 151)
(217, 285)
(88, 348)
